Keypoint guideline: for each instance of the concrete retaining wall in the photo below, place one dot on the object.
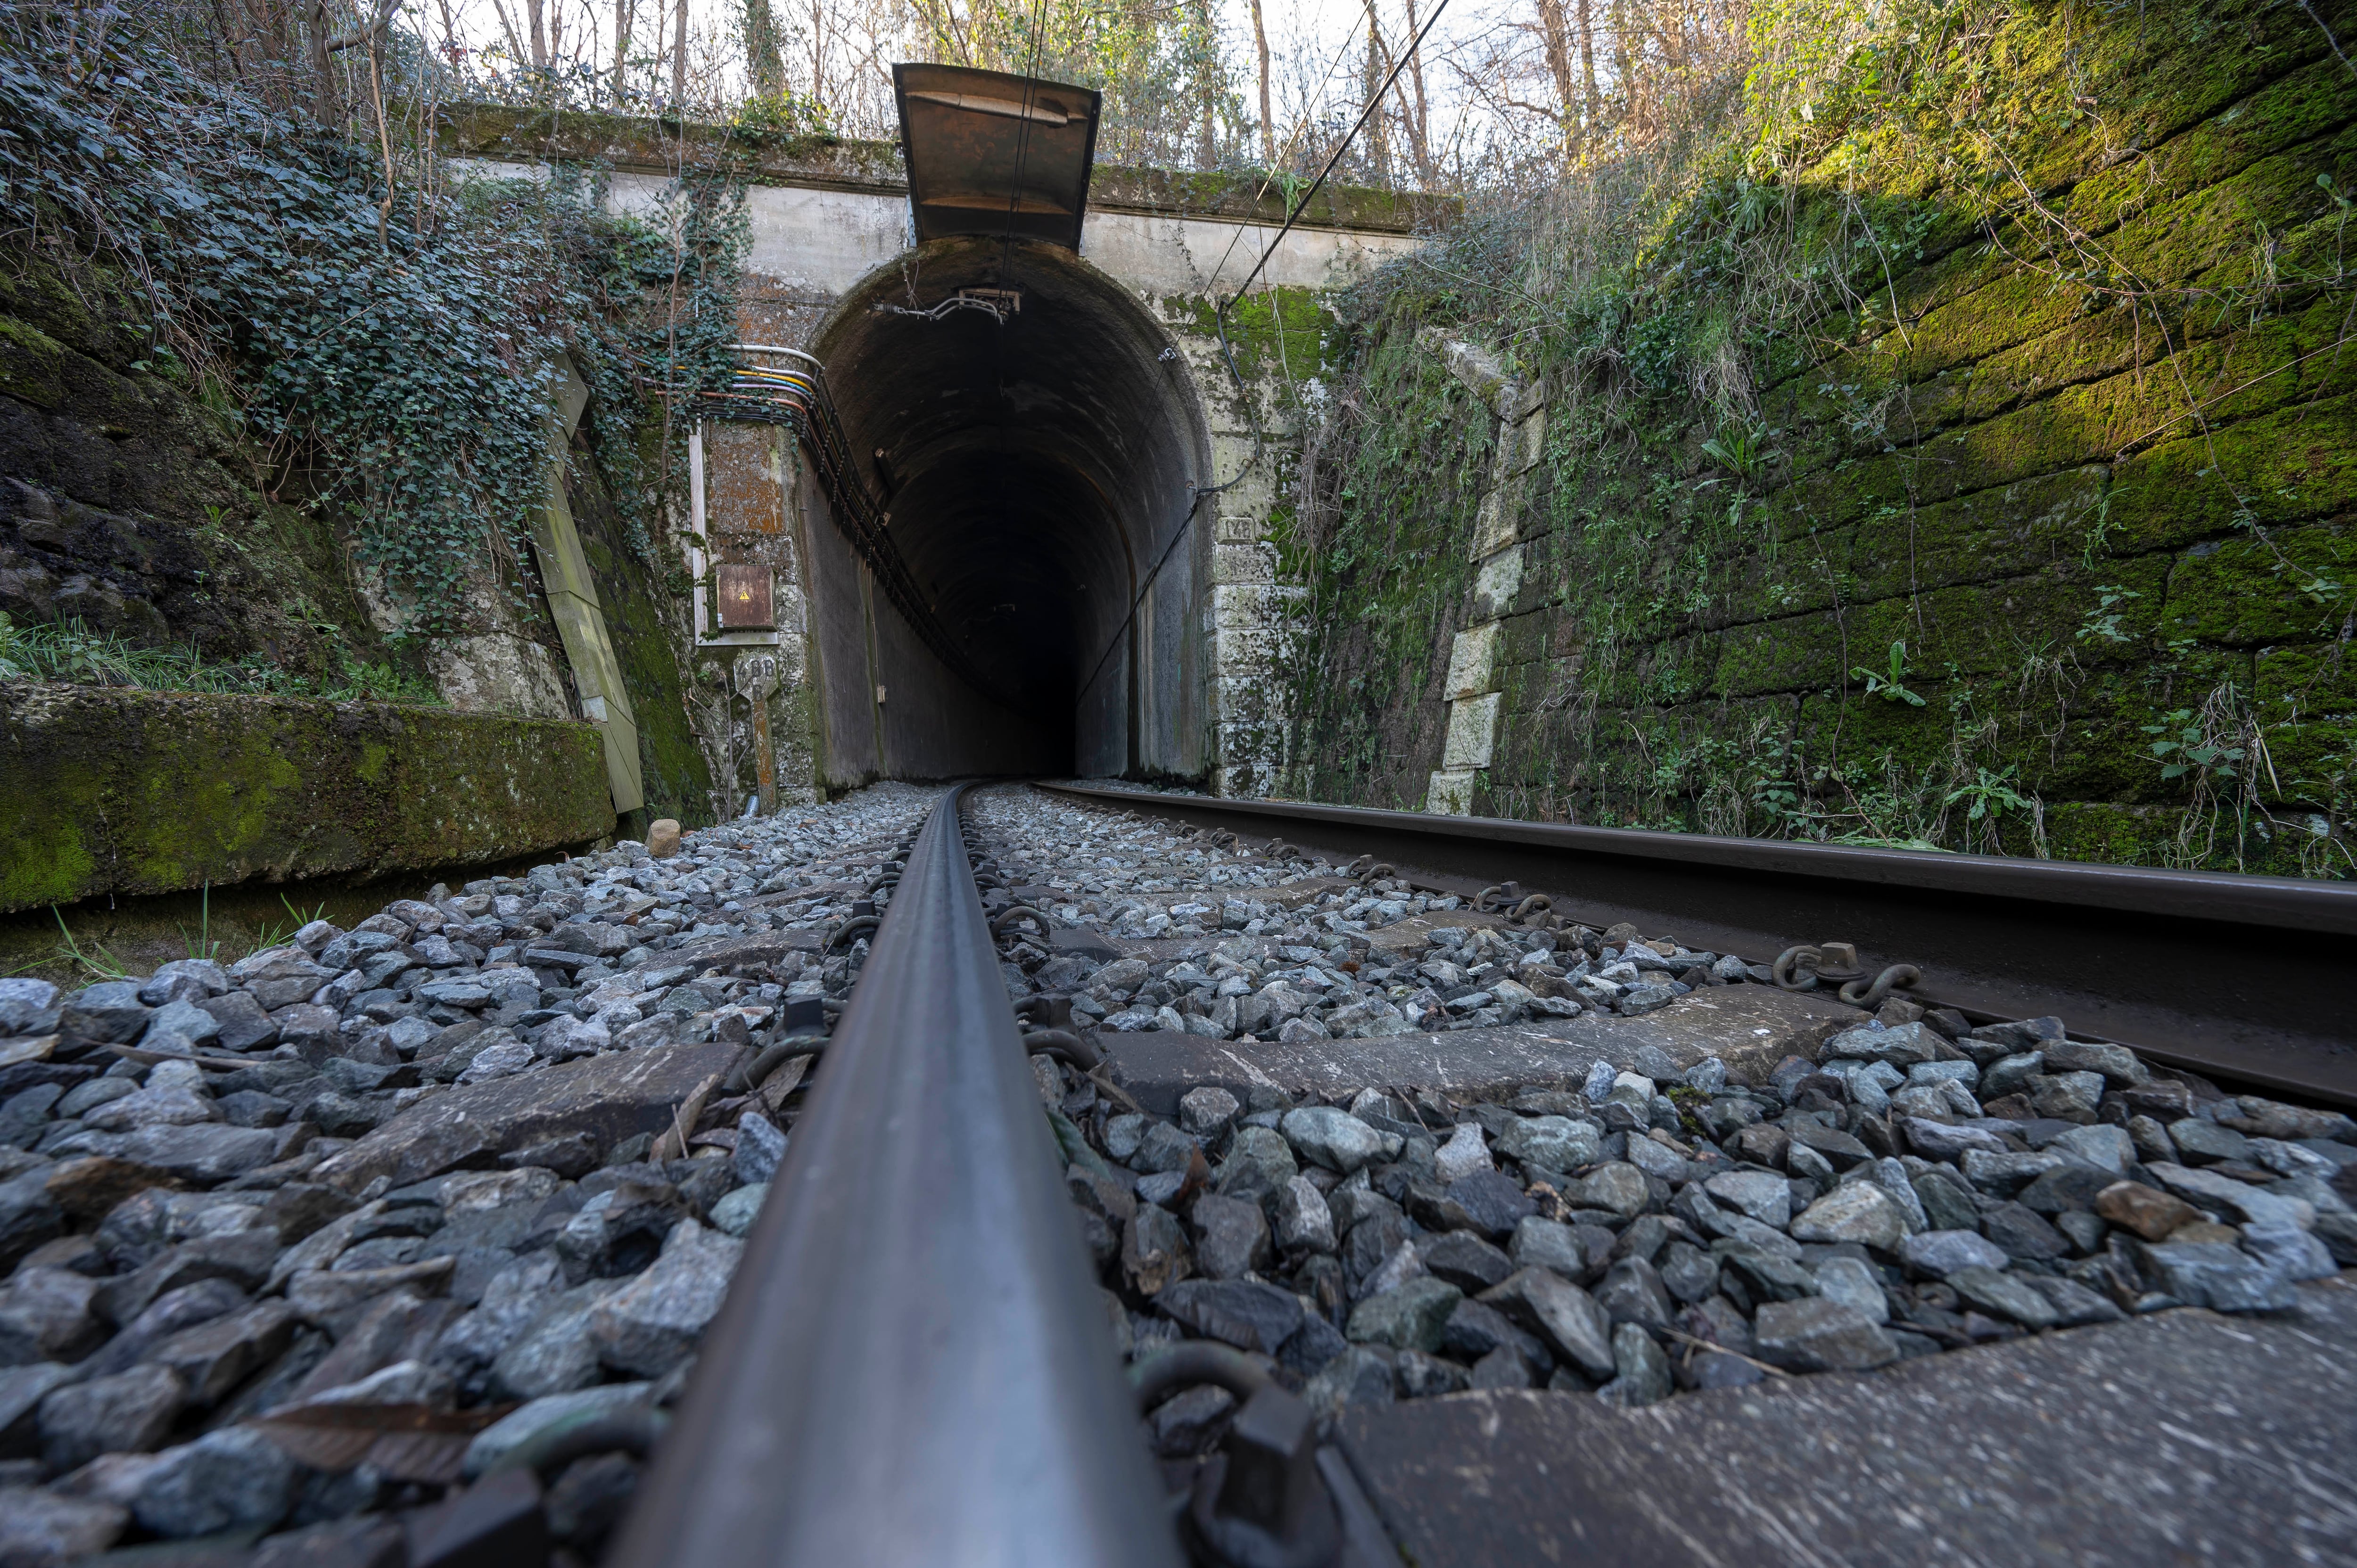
(111, 790)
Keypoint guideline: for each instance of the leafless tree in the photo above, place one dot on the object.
(1267, 121)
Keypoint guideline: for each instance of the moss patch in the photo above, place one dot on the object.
(645, 626)
(108, 790)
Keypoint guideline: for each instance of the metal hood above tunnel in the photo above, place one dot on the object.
(997, 154)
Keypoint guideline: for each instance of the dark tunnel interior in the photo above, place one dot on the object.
(1033, 469)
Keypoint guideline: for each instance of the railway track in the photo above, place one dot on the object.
(2247, 978)
(900, 1374)
(1167, 1190)
(833, 1441)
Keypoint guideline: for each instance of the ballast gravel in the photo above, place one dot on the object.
(241, 1223)
(202, 1263)
(1923, 1186)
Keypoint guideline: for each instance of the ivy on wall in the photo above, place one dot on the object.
(387, 334)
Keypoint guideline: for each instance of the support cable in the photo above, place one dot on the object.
(1228, 353)
(1220, 315)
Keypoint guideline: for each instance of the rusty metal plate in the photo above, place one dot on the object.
(407, 1442)
(744, 597)
(745, 480)
(993, 153)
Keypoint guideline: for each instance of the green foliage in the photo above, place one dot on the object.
(274, 933)
(1891, 685)
(391, 348)
(1171, 100)
(70, 652)
(787, 113)
(2184, 746)
(1870, 355)
(2101, 624)
(1741, 452)
(1990, 795)
(98, 963)
(204, 944)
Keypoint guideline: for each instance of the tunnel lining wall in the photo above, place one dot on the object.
(859, 647)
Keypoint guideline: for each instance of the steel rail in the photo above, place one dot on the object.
(2250, 978)
(913, 1364)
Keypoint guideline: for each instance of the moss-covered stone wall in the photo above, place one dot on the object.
(1286, 342)
(1384, 542)
(131, 504)
(2036, 533)
(112, 790)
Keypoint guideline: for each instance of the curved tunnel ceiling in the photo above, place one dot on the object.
(1033, 468)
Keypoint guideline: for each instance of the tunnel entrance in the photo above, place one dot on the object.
(1037, 444)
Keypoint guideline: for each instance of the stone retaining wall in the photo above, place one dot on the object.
(2026, 569)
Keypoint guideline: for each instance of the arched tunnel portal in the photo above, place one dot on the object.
(1040, 471)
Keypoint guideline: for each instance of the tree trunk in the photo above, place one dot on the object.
(1558, 58)
(819, 33)
(324, 106)
(1379, 146)
(1267, 122)
(622, 19)
(1623, 75)
(679, 57)
(229, 33)
(766, 65)
(1419, 128)
(1591, 105)
(450, 49)
(516, 51)
(1206, 84)
(537, 22)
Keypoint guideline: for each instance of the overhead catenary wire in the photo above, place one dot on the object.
(1219, 313)
(1228, 353)
(1022, 143)
(1292, 139)
(1007, 242)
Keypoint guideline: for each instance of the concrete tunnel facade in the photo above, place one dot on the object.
(1046, 475)
(1042, 473)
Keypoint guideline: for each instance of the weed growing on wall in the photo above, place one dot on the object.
(72, 653)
